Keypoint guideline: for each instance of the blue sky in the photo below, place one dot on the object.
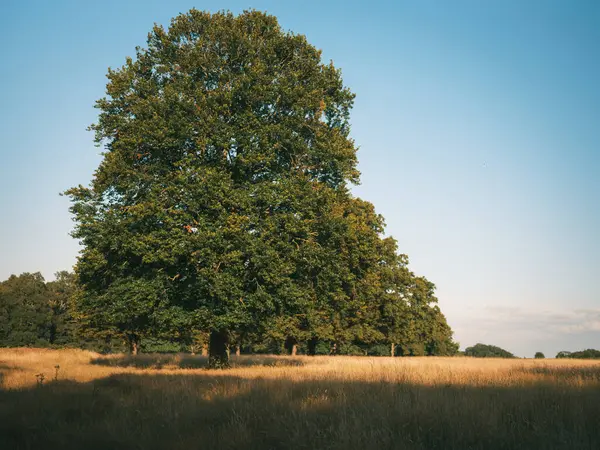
(478, 125)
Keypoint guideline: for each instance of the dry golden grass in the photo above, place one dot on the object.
(264, 402)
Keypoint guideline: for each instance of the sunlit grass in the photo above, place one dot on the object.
(172, 401)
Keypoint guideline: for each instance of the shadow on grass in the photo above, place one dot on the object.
(217, 410)
(186, 361)
(3, 370)
(585, 373)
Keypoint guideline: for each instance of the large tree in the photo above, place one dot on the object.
(216, 136)
(222, 202)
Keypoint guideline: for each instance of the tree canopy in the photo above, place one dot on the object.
(589, 353)
(487, 351)
(36, 313)
(222, 202)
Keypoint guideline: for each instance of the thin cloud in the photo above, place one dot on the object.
(551, 321)
(522, 330)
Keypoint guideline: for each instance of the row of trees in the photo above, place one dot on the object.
(491, 351)
(36, 313)
(590, 353)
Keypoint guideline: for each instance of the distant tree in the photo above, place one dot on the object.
(62, 325)
(539, 355)
(25, 312)
(487, 351)
(40, 314)
(590, 353)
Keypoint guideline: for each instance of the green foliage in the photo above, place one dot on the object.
(487, 351)
(62, 323)
(590, 353)
(65, 326)
(222, 203)
(539, 355)
(379, 350)
(157, 345)
(219, 136)
(34, 313)
(351, 350)
(323, 348)
(25, 313)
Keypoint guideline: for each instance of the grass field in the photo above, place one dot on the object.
(272, 402)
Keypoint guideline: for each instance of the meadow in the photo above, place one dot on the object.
(73, 399)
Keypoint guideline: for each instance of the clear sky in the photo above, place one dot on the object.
(478, 125)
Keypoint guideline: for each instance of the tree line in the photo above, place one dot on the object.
(589, 353)
(36, 313)
(492, 351)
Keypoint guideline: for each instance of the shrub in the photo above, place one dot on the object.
(322, 348)
(379, 350)
(351, 350)
(487, 351)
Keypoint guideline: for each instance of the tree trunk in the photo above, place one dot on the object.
(238, 351)
(393, 349)
(290, 346)
(52, 333)
(311, 347)
(204, 349)
(132, 342)
(218, 357)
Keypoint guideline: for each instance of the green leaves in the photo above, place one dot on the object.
(487, 351)
(222, 203)
(36, 313)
